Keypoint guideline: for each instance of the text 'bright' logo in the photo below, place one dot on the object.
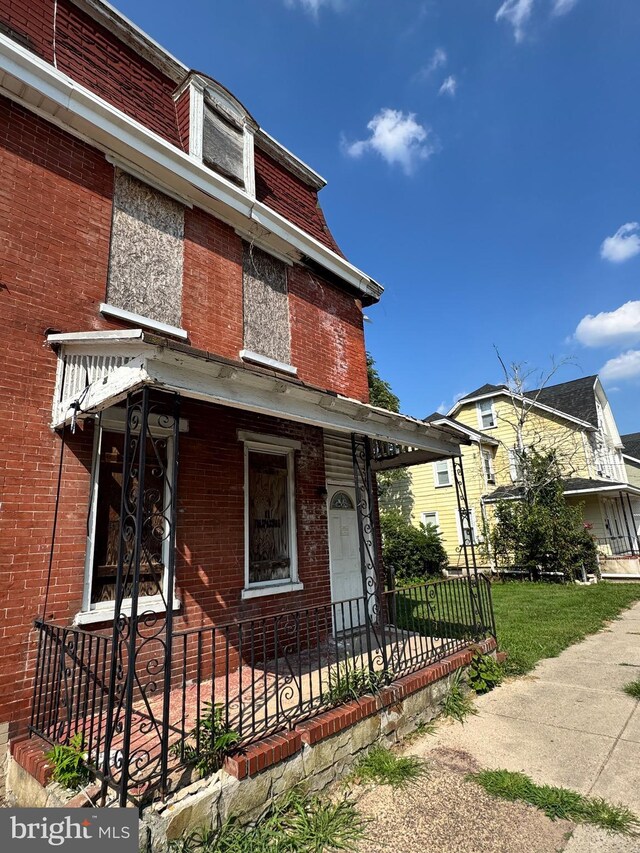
(57, 832)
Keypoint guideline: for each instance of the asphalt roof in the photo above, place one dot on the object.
(575, 398)
(572, 484)
(631, 443)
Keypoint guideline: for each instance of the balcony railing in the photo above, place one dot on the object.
(262, 675)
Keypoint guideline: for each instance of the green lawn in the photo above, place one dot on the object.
(538, 620)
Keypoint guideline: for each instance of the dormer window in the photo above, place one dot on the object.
(221, 131)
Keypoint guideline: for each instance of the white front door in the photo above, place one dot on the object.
(344, 556)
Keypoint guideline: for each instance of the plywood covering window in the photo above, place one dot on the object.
(146, 256)
(222, 143)
(266, 305)
(270, 515)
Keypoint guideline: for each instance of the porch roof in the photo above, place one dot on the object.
(572, 486)
(98, 369)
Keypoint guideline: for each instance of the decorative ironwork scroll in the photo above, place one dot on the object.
(136, 746)
(468, 538)
(374, 618)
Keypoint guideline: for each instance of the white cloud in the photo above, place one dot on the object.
(624, 244)
(517, 13)
(313, 6)
(611, 327)
(438, 59)
(449, 87)
(561, 7)
(623, 366)
(397, 137)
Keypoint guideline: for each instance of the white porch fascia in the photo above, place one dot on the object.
(92, 376)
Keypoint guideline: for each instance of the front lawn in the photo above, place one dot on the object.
(539, 620)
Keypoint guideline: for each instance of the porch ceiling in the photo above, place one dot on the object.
(98, 369)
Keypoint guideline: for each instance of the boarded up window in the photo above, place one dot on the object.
(266, 305)
(145, 264)
(223, 144)
(268, 517)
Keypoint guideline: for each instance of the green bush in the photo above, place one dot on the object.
(209, 742)
(541, 533)
(68, 763)
(412, 552)
(484, 673)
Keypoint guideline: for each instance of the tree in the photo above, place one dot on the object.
(380, 393)
(531, 434)
(411, 552)
(394, 487)
(541, 533)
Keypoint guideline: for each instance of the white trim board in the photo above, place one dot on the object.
(41, 88)
(219, 382)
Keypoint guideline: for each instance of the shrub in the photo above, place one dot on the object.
(68, 763)
(484, 673)
(541, 533)
(208, 742)
(412, 552)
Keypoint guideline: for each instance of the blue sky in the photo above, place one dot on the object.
(482, 160)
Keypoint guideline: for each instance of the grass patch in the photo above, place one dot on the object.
(557, 803)
(296, 823)
(386, 768)
(633, 689)
(458, 704)
(538, 620)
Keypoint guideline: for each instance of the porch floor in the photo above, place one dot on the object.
(264, 699)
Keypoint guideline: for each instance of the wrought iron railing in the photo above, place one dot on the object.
(264, 675)
(619, 546)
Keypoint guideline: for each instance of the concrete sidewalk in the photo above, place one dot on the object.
(568, 723)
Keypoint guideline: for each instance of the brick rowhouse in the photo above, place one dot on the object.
(153, 234)
(56, 209)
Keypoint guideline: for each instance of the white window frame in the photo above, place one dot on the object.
(197, 88)
(516, 475)
(278, 447)
(435, 514)
(487, 467)
(492, 411)
(114, 420)
(436, 480)
(474, 526)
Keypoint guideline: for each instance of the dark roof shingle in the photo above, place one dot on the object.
(631, 443)
(575, 398)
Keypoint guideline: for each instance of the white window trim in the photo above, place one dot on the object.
(489, 476)
(278, 447)
(197, 88)
(474, 526)
(140, 320)
(435, 474)
(113, 420)
(480, 413)
(265, 361)
(437, 522)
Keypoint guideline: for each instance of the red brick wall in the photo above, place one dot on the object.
(327, 337)
(96, 58)
(292, 198)
(212, 287)
(55, 210)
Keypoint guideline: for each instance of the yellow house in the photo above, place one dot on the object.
(573, 418)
